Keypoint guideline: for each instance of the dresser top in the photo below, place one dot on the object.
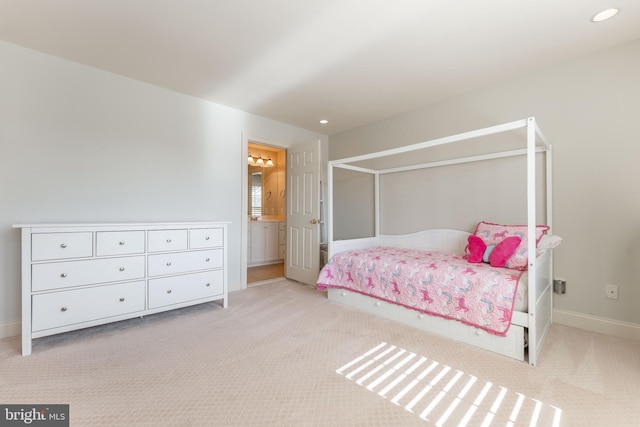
(122, 224)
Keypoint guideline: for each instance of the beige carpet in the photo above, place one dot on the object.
(283, 355)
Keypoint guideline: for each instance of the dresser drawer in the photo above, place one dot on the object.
(64, 308)
(55, 275)
(200, 238)
(167, 240)
(184, 262)
(178, 289)
(119, 243)
(50, 246)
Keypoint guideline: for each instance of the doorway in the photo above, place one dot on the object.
(266, 228)
(263, 274)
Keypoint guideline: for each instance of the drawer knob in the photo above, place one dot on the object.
(206, 238)
(63, 275)
(122, 243)
(207, 260)
(63, 309)
(121, 299)
(208, 284)
(168, 291)
(121, 268)
(64, 245)
(168, 240)
(169, 264)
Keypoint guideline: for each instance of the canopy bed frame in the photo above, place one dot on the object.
(527, 328)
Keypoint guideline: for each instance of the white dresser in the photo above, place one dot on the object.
(80, 275)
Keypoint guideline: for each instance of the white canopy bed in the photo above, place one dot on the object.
(527, 324)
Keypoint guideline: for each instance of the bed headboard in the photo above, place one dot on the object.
(443, 240)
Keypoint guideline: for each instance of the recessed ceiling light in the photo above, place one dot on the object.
(324, 121)
(604, 15)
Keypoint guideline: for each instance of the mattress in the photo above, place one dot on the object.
(521, 300)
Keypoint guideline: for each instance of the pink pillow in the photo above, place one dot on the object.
(496, 255)
(476, 249)
(503, 251)
(492, 234)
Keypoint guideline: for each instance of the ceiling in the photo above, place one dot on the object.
(352, 62)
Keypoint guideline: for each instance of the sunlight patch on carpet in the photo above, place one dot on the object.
(442, 394)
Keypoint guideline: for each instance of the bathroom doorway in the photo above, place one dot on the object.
(266, 229)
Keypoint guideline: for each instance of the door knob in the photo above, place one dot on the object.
(314, 221)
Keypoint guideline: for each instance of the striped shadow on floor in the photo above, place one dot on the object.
(442, 394)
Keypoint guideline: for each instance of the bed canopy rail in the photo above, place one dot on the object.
(464, 136)
(536, 142)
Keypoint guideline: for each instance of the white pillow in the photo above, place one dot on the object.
(548, 242)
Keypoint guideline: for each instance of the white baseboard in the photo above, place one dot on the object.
(10, 329)
(601, 325)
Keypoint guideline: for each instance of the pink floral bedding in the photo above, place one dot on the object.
(437, 283)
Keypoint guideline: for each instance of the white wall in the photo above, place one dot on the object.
(588, 109)
(84, 145)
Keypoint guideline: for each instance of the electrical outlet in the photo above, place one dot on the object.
(559, 286)
(612, 291)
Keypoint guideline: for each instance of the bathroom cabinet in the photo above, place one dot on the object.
(264, 242)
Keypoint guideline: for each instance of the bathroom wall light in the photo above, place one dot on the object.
(604, 15)
(259, 161)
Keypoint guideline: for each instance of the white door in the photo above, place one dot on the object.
(303, 213)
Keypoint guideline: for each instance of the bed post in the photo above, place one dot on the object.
(531, 236)
(549, 194)
(329, 224)
(376, 204)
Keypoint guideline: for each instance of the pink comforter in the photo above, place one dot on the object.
(436, 283)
